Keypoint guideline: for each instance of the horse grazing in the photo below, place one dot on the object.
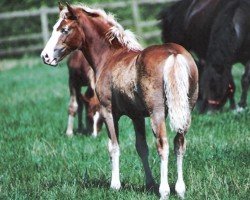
(217, 32)
(154, 82)
(80, 75)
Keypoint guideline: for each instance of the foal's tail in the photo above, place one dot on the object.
(176, 85)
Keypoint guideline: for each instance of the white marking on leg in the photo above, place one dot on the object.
(164, 188)
(72, 110)
(114, 152)
(69, 131)
(238, 110)
(180, 187)
(95, 118)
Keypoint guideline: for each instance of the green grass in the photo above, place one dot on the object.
(38, 161)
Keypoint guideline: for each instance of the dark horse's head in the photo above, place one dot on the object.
(216, 88)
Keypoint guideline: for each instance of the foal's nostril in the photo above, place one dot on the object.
(45, 58)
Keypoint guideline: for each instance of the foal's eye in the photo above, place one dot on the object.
(65, 30)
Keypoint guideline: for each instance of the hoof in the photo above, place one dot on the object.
(164, 192)
(180, 189)
(94, 134)
(79, 130)
(239, 109)
(151, 186)
(69, 133)
(115, 186)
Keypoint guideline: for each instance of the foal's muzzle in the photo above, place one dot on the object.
(48, 60)
(53, 57)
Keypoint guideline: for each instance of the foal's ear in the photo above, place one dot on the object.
(60, 6)
(91, 14)
(72, 12)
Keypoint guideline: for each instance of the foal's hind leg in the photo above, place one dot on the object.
(245, 85)
(179, 148)
(159, 129)
(142, 149)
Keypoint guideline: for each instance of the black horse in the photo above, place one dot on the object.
(217, 32)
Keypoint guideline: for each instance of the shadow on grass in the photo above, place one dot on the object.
(104, 183)
(101, 183)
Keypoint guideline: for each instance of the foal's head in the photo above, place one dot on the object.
(80, 27)
(66, 37)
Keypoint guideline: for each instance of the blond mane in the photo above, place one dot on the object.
(125, 37)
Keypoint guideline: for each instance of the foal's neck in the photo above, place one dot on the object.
(96, 49)
(99, 53)
(96, 56)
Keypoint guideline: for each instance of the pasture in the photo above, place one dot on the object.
(38, 161)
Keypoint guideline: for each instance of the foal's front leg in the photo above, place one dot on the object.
(159, 129)
(113, 147)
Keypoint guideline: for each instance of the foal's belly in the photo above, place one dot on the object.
(130, 105)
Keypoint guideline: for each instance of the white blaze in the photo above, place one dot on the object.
(51, 44)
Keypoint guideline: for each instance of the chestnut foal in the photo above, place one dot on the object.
(155, 82)
(80, 75)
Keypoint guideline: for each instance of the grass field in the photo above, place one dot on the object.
(38, 161)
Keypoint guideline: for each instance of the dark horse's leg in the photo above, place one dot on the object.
(245, 85)
(142, 149)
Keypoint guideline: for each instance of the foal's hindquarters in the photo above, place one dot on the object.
(161, 79)
(169, 87)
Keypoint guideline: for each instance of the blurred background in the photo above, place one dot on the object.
(26, 25)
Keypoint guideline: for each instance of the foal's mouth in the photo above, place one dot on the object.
(55, 61)
(64, 53)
